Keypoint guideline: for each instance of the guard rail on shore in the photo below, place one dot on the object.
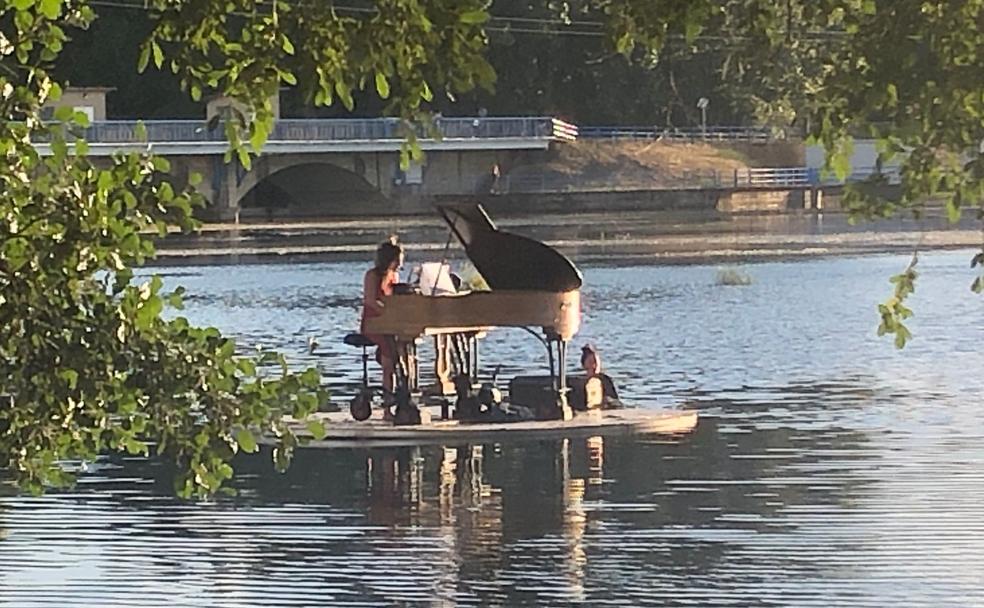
(752, 178)
(809, 177)
(717, 133)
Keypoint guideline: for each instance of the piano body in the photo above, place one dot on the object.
(531, 286)
(407, 316)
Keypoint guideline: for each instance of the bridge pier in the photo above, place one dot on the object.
(225, 183)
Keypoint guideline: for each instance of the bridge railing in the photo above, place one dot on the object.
(717, 133)
(319, 130)
(773, 177)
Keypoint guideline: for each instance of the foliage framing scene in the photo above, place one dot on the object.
(90, 363)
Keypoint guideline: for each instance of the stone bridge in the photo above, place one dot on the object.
(338, 166)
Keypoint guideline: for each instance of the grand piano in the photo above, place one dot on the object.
(531, 286)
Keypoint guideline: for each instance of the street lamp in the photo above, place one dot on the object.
(702, 104)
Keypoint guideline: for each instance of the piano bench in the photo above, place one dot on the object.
(358, 340)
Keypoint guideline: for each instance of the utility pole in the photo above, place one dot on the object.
(702, 104)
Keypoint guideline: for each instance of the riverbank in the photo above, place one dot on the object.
(658, 237)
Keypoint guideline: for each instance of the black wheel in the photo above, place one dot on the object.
(361, 406)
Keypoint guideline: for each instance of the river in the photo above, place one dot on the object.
(828, 468)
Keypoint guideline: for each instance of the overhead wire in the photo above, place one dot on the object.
(503, 24)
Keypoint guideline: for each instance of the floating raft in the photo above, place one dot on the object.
(342, 431)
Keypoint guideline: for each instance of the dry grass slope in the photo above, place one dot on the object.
(644, 165)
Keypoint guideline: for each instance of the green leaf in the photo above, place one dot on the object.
(902, 336)
(59, 149)
(953, 211)
(243, 154)
(22, 5)
(288, 46)
(246, 441)
(148, 312)
(166, 192)
(247, 366)
(105, 181)
(64, 113)
(840, 162)
(16, 252)
(317, 429)
(135, 447)
(382, 85)
(624, 44)
(81, 118)
(693, 30)
(345, 94)
(158, 54)
(71, 377)
(144, 58)
(259, 136)
(893, 95)
(51, 8)
(473, 17)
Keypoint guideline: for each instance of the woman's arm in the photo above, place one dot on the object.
(370, 293)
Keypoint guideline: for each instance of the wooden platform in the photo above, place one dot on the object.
(342, 431)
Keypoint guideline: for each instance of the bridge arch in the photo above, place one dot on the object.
(309, 186)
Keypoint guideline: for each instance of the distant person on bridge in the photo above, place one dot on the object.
(379, 281)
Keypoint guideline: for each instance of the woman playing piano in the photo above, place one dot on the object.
(379, 281)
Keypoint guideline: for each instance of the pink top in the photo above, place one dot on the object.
(375, 288)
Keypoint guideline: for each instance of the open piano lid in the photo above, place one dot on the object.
(506, 260)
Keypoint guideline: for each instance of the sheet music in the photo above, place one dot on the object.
(435, 279)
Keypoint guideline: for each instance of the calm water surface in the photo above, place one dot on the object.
(828, 468)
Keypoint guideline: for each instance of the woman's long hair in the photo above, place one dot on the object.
(388, 252)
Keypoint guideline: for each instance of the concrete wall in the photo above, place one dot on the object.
(863, 157)
(739, 201)
(571, 202)
(91, 100)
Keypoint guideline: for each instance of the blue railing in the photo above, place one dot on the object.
(320, 130)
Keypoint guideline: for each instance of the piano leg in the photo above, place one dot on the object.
(407, 370)
(550, 360)
(565, 409)
(558, 377)
(442, 365)
(407, 381)
(474, 352)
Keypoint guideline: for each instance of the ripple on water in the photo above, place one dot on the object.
(828, 469)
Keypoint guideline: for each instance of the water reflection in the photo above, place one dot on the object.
(827, 469)
(770, 504)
